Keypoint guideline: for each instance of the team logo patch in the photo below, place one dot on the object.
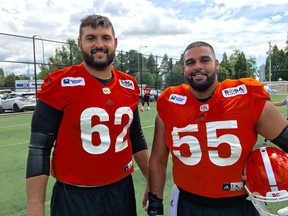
(204, 107)
(178, 99)
(231, 92)
(127, 84)
(233, 186)
(72, 81)
(106, 90)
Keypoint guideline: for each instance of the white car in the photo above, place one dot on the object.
(19, 101)
(267, 89)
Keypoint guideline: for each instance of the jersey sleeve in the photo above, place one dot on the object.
(258, 95)
(51, 90)
(176, 94)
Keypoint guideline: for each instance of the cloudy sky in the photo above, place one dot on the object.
(164, 26)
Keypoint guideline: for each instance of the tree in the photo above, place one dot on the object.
(2, 76)
(120, 62)
(68, 54)
(284, 68)
(252, 67)
(23, 77)
(238, 61)
(177, 76)
(164, 66)
(222, 74)
(278, 65)
(148, 78)
(2, 72)
(9, 80)
(226, 68)
(151, 64)
(128, 62)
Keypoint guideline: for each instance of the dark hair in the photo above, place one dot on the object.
(94, 21)
(199, 44)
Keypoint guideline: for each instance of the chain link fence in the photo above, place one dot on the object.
(156, 71)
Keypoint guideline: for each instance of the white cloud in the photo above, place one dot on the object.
(276, 18)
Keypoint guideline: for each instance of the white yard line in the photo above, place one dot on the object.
(14, 144)
(12, 126)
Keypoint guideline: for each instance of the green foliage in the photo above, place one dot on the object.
(175, 77)
(147, 78)
(66, 55)
(2, 72)
(240, 64)
(279, 65)
(151, 64)
(9, 80)
(129, 62)
(165, 66)
(237, 66)
(252, 67)
(226, 69)
(223, 74)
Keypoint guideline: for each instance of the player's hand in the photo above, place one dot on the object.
(145, 199)
(155, 207)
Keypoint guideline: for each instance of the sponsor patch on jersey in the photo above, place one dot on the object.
(127, 84)
(72, 81)
(178, 99)
(238, 90)
(233, 186)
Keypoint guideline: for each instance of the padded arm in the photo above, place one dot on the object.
(38, 162)
(282, 140)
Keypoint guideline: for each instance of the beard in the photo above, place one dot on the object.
(202, 85)
(89, 59)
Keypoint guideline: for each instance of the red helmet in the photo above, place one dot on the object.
(266, 177)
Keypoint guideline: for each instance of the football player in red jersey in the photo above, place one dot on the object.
(210, 129)
(93, 131)
(146, 97)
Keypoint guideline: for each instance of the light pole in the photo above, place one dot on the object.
(270, 52)
(35, 72)
(140, 81)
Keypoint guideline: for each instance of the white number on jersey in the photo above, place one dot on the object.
(104, 134)
(212, 141)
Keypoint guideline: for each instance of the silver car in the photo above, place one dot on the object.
(19, 101)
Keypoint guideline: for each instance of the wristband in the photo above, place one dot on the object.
(155, 207)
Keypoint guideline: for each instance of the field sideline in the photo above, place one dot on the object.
(14, 136)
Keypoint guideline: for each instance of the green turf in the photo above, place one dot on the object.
(14, 136)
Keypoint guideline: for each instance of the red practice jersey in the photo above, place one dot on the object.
(211, 140)
(147, 91)
(92, 145)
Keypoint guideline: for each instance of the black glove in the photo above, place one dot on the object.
(155, 207)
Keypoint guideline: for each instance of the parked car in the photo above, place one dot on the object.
(2, 95)
(19, 101)
(154, 94)
(267, 89)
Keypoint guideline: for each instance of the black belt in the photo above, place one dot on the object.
(80, 188)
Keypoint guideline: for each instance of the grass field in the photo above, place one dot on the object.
(14, 136)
